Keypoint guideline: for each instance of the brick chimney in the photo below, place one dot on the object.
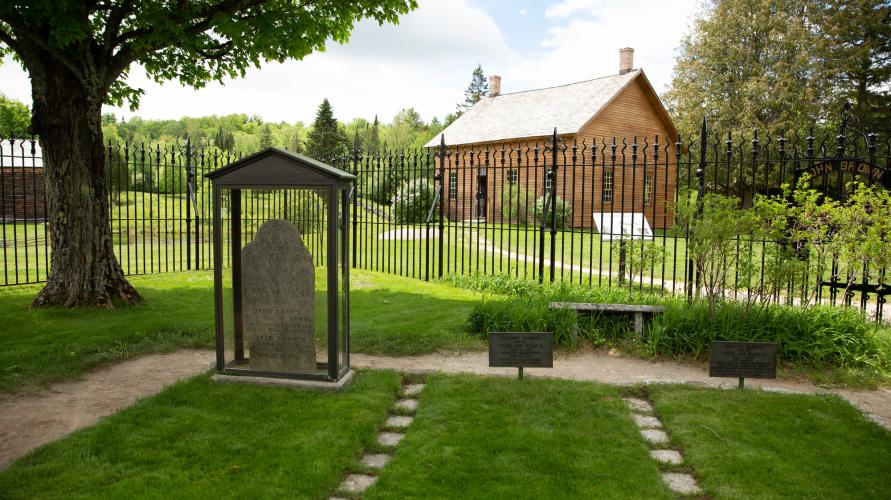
(626, 60)
(494, 85)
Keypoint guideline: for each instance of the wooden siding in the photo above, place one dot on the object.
(631, 114)
(23, 193)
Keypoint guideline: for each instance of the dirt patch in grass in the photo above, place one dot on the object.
(30, 420)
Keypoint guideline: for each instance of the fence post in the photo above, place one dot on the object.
(542, 223)
(692, 276)
(355, 194)
(553, 202)
(442, 195)
(190, 179)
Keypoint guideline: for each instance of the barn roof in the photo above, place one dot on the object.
(535, 113)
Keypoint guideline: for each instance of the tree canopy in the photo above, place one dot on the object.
(78, 54)
(192, 42)
(15, 118)
(783, 64)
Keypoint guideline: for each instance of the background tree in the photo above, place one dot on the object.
(15, 118)
(295, 143)
(78, 55)
(477, 88)
(327, 138)
(855, 47)
(223, 139)
(266, 137)
(374, 136)
(772, 64)
(404, 129)
(748, 64)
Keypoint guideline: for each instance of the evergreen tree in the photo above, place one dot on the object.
(223, 139)
(374, 138)
(265, 137)
(326, 139)
(475, 91)
(856, 57)
(782, 64)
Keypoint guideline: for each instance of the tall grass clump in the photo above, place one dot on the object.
(816, 336)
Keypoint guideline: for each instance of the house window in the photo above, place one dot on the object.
(648, 190)
(607, 186)
(453, 185)
(513, 177)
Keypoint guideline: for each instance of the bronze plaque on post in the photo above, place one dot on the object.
(521, 349)
(743, 360)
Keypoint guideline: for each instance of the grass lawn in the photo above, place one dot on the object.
(390, 315)
(477, 437)
(755, 444)
(199, 439)
(472, 437)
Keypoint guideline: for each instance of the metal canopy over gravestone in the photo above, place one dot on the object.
(623, 225)
(278, 290)
(268, 333)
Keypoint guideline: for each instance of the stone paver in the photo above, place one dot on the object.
(670, 457)
(683, 484)
(639, 405)
(413, 389)
(654, 436)
(390, 438)
(399, 421)
(646, 422)
(357, 483)
(375, 460)
(407, 404)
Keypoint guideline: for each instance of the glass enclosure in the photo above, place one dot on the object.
(282, 278)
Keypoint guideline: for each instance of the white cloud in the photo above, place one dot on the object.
(425, 62)
(522, 11)
(587, 34)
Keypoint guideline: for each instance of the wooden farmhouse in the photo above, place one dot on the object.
(500, 150)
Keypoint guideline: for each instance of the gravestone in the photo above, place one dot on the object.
(278, 289)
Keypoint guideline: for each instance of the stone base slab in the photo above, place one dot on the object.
(316, 385)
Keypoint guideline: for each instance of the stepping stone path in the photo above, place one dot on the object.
(650, 428)
(403, 414)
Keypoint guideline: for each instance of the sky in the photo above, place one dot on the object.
(427, 59)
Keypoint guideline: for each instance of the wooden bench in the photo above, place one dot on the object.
(638, 311)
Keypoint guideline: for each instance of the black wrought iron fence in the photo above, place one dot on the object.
(594, 211)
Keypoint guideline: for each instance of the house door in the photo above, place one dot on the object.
(482, 195)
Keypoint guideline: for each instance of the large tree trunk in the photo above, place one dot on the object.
(83, 269)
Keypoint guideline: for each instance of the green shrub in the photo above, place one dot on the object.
(171, 180)
(514, 205)
(379, 186)
(816, 336)
(562, 208)
(413, 201)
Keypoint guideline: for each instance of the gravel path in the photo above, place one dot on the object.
(599, 366)
(30, 420)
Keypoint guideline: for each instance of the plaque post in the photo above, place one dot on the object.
(742, 383)
(520, 372)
